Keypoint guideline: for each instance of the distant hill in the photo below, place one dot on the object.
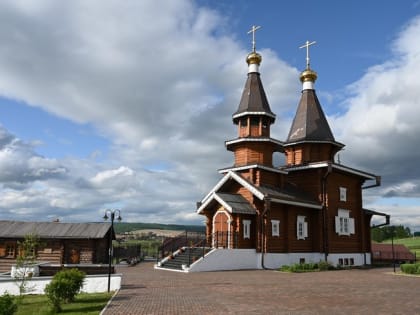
(123, 227)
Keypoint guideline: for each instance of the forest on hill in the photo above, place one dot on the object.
(387, 232)
(123, 227)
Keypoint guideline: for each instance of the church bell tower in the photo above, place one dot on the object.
(254, 118)
(310, 138)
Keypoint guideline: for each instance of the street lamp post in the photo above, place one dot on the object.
(392, 246)
(112, 214)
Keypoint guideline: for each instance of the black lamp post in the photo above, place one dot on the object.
(392, 246)
(112, 214)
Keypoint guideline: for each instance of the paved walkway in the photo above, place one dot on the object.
(374, 291)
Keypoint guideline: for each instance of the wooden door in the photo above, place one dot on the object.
(221, 233)
(74, 256)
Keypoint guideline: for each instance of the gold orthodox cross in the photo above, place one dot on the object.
(307, 44)
(253, 30)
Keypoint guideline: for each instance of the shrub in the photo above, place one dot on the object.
(7, 305)
(64, 287)
(410, 268)
(324, 265)
(303, 267)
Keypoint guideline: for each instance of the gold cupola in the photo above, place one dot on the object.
(308, 76)
(253, 58)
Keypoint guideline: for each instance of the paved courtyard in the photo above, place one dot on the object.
(375, 291)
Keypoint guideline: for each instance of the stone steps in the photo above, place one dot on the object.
(185, 257)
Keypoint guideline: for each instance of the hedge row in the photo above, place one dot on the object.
(413, 269)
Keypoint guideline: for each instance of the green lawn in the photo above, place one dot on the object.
(85, 304)
(412, 243)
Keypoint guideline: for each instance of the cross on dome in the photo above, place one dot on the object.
(307, 44)
(253, 29)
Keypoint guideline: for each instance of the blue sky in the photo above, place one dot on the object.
(106, 104)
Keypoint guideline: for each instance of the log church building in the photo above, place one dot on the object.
(308, 210)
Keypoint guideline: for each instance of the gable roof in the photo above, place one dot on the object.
(310, 124)
(285, 196)
(19, 229)
(253, 100)
(239, 179)
(383, 251)
(234, 203)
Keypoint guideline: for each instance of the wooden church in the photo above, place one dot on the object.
(308, 210)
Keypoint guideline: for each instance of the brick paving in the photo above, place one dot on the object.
(370, 291)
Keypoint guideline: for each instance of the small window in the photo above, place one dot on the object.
(351, 261)
(11, 250)
(302, 228)
(343, 194)
(340, 261)
(247, 228)
(255, 121)
(344, 225)
(346, 261)
(275, 227)
(244, 122)
(301, 261)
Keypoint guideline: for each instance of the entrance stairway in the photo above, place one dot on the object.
(186, 256)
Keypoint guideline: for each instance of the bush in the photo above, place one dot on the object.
(64, 287)
(410, 268)
(324, 265)
(303, 267)
(7, 305)
(321, 266)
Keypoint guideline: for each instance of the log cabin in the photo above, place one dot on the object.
(309, 209)
(60, 243)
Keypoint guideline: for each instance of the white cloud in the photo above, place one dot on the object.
(161, 80)
(380, 128)
(19, 164)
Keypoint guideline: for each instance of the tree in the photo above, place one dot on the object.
(7, 304)
(387, 232)
(25, 261)
(64, 286)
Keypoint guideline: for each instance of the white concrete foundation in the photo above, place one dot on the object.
(92, 284)
(239, 259)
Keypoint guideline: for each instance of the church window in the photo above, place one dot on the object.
(247, 228)
(255, 121)
(275, 227)
(244, 122)
(302, 228)
(344, 225)
(343, 194)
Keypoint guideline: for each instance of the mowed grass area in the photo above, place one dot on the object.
(91, 304)
(412, 243)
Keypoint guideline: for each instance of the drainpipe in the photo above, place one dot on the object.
(267, 204)
(377, 183)
(324, 209)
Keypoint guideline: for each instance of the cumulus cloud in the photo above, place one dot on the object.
(19, 164)
(380, 127)
(160, 81)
